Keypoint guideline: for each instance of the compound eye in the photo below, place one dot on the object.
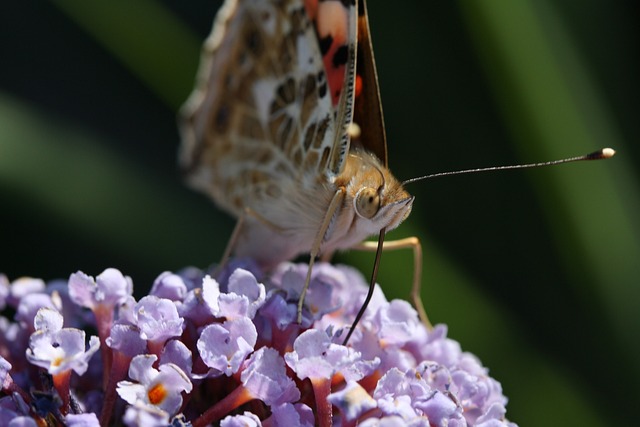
(367, 202)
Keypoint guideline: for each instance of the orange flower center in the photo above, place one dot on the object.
(157, 393)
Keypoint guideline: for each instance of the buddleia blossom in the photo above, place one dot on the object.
(226, 349)
(160, 388)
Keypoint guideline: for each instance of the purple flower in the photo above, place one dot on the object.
(22, 287)
(126, 339)
(195, 309)
(101, 296)
(245, 295)
(397, 323)
(234, 264)
(57, 349)
(282, 313)
(15, 408)
(108, 289)
(245, 420)
(157, 319)
(320, 298)
(315, 356)
(287, 414)
(265, 377)
(160, 387)
(239, 341)
(211, 295)
(396, 421)
(29, 306)
(140, 414)
(225, 346)
(170, 286)
(177, 353)
(5, 367)
(82, 420)
(353, 400)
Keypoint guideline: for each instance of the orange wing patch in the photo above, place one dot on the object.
(331, 21)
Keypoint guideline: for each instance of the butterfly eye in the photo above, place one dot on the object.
(367, 202)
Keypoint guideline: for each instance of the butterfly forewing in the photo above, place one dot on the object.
(261, 131)
(368, 108)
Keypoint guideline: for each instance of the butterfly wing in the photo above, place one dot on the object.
(368, 108)
(261, 121)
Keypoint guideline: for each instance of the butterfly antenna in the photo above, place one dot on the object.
(604, 153)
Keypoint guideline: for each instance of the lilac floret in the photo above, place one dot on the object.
(126, 339)
(280, 312)
(178, 353)
(287, 414)
(397, 323)
(108, 289)
(264, 375)
(320, 298)
(195, 308)
(232, 265)
(353, 400)
(225, 346)
(5, 367)
(22, 287)
(245, 420)
(211, 295)
(395, 421)
(245, 295)
(315, 356)
(82, 420)
(30, 305)
(59, 349)
(140, 414)
(169, 286)
(22, 421)
(160, 387)
(157, 319)
(495, 416)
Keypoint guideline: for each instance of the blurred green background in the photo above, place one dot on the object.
(534, 271)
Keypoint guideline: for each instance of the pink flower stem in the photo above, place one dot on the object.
(117, 373)
(104, 320)
(156, 347)
(321, 390)
(61, 383)
(9, 387)
(237, 397)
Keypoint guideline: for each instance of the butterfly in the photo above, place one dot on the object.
(284, 130)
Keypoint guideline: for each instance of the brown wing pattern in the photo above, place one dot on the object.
(261, 116)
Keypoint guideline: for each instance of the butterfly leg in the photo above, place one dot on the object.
(336, 201)
(407, 243)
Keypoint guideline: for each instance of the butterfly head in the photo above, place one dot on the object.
(377, 196)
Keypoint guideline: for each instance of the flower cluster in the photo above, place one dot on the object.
(229, 351)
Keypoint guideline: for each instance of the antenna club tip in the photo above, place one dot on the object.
(607, 153)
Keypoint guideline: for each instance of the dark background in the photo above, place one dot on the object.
(534, 271)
